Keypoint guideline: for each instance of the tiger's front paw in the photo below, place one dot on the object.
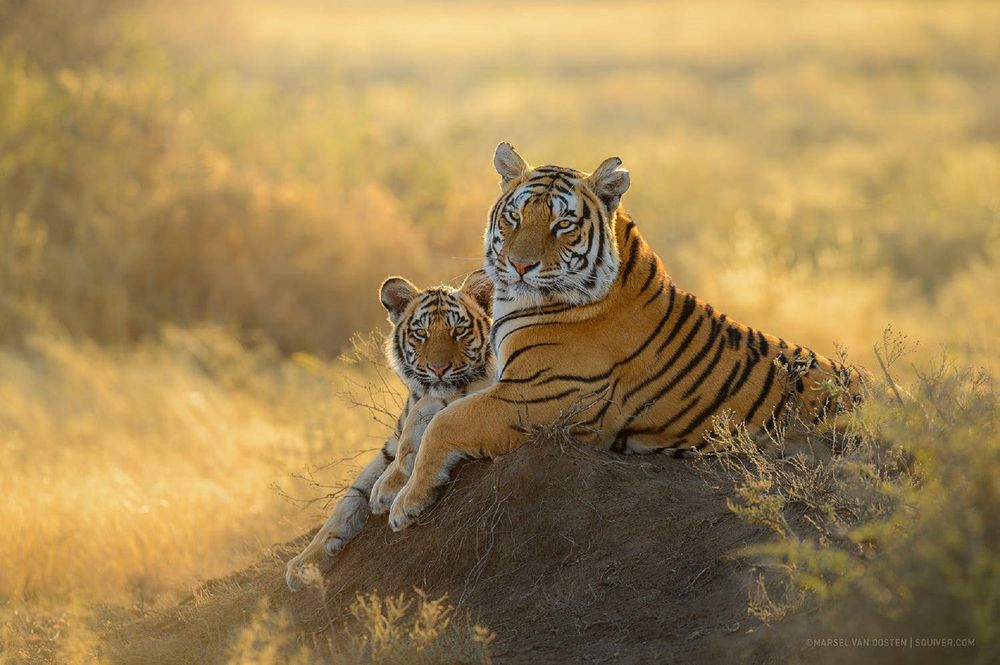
(308, 567)
(408, 505)
(386, 488)
(301, 572)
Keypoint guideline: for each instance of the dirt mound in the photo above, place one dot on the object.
(568, 554)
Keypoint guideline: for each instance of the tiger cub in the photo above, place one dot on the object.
(440, 348)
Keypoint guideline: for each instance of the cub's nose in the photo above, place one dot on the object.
(523, 266)
(439, 369)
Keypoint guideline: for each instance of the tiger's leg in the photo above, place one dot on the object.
(484, 424)
(387, 487)
(345, 521)
(395, 476)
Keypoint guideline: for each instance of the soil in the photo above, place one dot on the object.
(568, 554)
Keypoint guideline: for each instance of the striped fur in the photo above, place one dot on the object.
(637, 365)
(442, 328)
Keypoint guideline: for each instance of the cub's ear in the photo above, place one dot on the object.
(395, 294)
(609, 182)
(480, 288)
(508, 163)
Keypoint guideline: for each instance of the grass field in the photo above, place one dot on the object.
(198, 202)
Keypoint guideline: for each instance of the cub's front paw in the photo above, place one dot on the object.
(386, 488)
(308, 567)
(301, 572)
(408, 505)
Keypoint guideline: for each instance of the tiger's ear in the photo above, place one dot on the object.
(609, 182)
(396, 293)
(508, 163)
(480, 288)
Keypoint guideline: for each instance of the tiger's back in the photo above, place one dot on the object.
(655, 363)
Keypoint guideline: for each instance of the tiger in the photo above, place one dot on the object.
(439, 347)
(589, 328)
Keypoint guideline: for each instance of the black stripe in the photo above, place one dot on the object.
(686, 311)
(526, 379)
(763, 344)
(499, 343)
(720, 397)
(673, 293)
(601, 239)
(536, 400)
(752, 361)
(701, 377)
(670, 421)
(531, 311)
(361, 491)
(694, 362)
(656, 294)
(768, 382)
(663, 368)
(627, 359)
(735, 336)
(649, 278)
(523, 350)
(632, 256)
(597, 417)
(776, 414)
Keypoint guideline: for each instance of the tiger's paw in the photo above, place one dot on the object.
(300, 573)
(386, 488)
(407, 506)
(308, 567)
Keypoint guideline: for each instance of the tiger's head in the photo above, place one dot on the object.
(440, 337)
(551, 235)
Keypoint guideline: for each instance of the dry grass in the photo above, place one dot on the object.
(390, 630)
(138, 471)
(198, 201)
(885, 526)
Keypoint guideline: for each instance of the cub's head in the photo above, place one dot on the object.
(551, 232)
(441, 337)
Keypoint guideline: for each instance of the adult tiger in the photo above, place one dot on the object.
(440, 348)
(587, 322)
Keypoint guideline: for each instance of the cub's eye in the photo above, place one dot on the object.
(460, 331)
(564, 224)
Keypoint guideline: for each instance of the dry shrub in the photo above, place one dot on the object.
(268, 639)
(31, 634)
(401, 629)
(886, 526)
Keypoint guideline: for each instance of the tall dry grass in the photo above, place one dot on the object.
(132, 473)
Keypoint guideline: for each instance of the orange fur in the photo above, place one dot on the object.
(642, 365)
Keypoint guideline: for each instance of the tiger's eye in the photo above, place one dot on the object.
(564, 224)
(460, 330)
(420, 332)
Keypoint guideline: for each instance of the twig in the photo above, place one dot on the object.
(888, 377)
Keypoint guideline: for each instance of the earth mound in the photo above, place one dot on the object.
(568, 554)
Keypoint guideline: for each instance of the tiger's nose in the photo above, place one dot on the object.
(523, 266)
(439, 369)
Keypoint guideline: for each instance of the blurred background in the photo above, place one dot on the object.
(199, 200)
